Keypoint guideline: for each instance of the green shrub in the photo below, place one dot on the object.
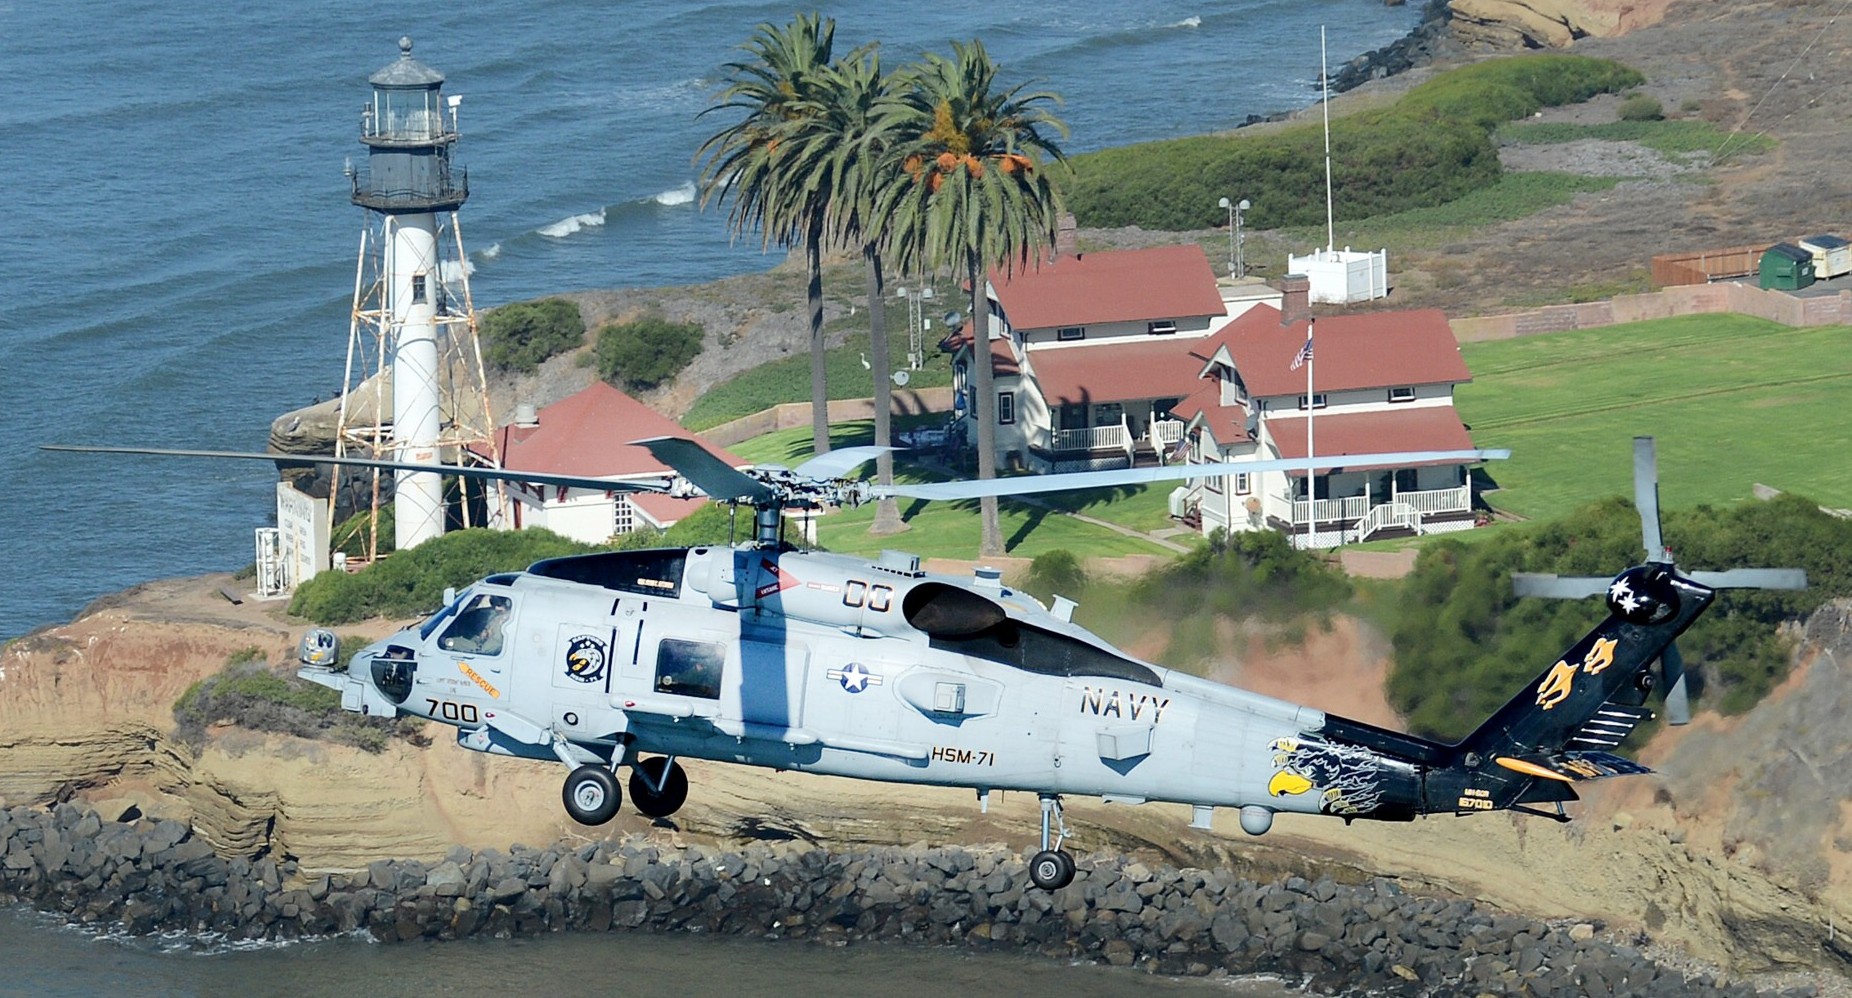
(1465, 644)
(1058, 572)
(413, 582)
(1640, 107)
(646, 352)
(1432, 146)
(519, 336)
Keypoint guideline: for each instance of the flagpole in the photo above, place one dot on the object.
(1311, 407)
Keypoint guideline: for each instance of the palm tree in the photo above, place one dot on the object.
(779, 92)
(976, 197)
(849, 151)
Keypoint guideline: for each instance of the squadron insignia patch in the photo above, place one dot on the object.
(586, 658)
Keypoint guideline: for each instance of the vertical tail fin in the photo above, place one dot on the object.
(1590, 698)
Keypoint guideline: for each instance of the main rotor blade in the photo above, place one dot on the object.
(1752, 578)
(839, 462)
(457, 471)
(1557, 586)
(1029, 484)
(1646, 496)
(707, 472)
(1678, 700)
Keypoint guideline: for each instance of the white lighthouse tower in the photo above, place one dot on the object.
(415, 386)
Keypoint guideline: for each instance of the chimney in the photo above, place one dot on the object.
(525, 415)
(1295, 299)
(1067, 237)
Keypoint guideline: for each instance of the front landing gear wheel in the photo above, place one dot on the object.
(1051, 869)
(591, 795)
(658, 786)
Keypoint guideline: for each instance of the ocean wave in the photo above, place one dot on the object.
(454, 271)
(494, 250)
(678, 195)
(571, 224)
(1188, 22)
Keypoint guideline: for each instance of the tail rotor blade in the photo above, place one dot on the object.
(1646, 495)
(1678, 700)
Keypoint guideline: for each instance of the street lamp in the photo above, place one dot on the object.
(1237, 244)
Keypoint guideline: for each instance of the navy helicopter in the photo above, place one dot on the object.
(766, 655)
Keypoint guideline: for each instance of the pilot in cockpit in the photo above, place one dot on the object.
(478, 629)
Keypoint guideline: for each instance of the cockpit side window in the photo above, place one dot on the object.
(689, 668)
(480, 627)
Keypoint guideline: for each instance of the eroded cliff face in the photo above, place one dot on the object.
(1550, 23)
(1735, 855)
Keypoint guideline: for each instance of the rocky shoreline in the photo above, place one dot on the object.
(146, 875)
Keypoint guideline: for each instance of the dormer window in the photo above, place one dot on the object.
(1071, 333)
(1318, 401)
(1405, 393)
(1161, 327)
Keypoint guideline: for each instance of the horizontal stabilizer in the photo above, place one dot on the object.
(1572, 767)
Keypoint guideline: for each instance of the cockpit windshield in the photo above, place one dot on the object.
(480, 626)
(436, 620)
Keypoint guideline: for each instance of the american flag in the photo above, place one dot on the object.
(1304, 354)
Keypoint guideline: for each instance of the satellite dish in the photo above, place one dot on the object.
(954, 317)
(901, 378)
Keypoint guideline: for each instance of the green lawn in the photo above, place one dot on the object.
(1732, 400)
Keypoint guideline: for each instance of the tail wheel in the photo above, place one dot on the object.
(591, 795)
(1051, 869)
(658, 786)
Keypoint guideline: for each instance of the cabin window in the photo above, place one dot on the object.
(1071, 333)
(1405, 393)
(1006, 408)
(689, 668)
(480, 627)
(1161, 327)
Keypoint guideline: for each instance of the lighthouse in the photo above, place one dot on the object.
(415, 386)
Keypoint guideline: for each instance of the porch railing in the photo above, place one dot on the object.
(1389, 515)
(1454, 500)
(1092, 439)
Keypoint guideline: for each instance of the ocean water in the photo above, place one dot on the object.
(177, 255)
(65, 963)
(177, 247)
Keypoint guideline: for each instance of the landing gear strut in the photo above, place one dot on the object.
(1052, 868)
(591, 795)
(658, 786)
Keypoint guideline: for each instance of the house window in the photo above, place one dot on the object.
(1318, 401)
(1161, 327)
(1213, 485)
(1006, 408)
(1406, 393)
(417, 289)
(1071, 333)
(623, 516)
(1110, 414)
(1242, 486)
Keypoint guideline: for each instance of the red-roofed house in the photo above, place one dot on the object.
(1380, 382)
(1091, 350)
(1106, 359)
(588, 434)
